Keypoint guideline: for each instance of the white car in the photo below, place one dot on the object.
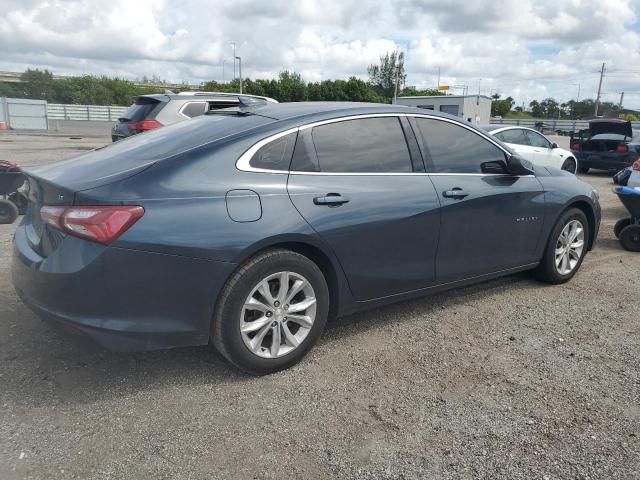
(533, 146)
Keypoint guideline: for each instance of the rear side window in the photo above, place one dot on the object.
(515, 136)
(193, 109)
(275, 155)
(368, 145)
(455, 149)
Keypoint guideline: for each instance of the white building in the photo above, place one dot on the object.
(473, 108)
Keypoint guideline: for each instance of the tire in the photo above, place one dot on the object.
(8, 211)
(583, 169)
(253, 351)
(630, 238)
(570, 165)
(548, 271)
(620, 225)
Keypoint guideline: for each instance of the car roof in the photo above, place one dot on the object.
(500, 126)
(305, 110)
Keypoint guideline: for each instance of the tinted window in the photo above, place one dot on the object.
(366, 145)
(275, 155)
(140, 110)
(537, 140)
(455, 149)
(193, 109)
(515, 135)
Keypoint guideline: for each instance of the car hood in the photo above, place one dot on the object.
(610, 125)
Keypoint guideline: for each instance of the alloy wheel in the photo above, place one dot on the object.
(278, 314)
(569, 247)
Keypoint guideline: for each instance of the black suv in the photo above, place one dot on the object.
(153, 111)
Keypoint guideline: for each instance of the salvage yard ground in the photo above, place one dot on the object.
(508, 379)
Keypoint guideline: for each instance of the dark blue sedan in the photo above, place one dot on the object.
(250, 227)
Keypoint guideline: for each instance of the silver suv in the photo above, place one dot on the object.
(153, 111)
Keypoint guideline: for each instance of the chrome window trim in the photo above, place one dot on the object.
(243, 163)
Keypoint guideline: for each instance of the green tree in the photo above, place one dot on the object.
(384, 76)
(499, 108)
(37, 84)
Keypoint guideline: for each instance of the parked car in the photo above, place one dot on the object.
(534, 146)
(251, 228)
(153, 111)
(634, 178)
(608, 144)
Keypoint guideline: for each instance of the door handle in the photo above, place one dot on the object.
(456, 193)
(331, 200)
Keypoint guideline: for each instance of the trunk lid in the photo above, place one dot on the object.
(610, 125)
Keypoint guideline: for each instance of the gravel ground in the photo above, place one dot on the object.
(507, 379)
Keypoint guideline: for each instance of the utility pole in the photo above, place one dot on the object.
(599, 89)
(438, 78)
(240, 72)
(233, 44)
(621, 98)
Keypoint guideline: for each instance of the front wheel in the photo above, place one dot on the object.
(630, 238)
(271, 312)
(566, 248)
(570, 165)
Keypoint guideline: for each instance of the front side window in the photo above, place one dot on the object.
(537, 140)
(275, 155)
(515, 136)
(367, 145)
(194, 109)
(455, 149)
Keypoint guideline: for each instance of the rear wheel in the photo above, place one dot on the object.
(8, 211)
(566, 248)
(570, 165)
(620, 225)
(583, 169)
(630, 238)
(271, 312)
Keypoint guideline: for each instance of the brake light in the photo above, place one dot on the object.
(636, 166)
(575, 146)
(101, 224)
(622, 148)
(144, 125)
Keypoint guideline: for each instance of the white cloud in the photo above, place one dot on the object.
(525, 48)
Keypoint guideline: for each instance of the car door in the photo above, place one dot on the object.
(489, 222)
(364, 191)
(542, 149)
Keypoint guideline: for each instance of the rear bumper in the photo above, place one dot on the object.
(122, 299)
(616, 164)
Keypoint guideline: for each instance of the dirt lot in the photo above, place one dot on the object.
(508, 379)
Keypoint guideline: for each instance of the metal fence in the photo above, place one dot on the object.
(556, 125)
(58, 111)
(23, 114)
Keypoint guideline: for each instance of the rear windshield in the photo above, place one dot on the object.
(140, 110)
(147, 148)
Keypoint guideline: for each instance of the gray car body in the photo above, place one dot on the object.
(170, 108)
(157, 285)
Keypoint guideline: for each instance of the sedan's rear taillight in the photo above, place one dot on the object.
(636, 166)
(622, 148)
(575, 146)
(144, 125)
(101, 224)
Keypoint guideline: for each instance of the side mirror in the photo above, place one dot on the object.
(495, 167)
(517, 165)
(554, 145)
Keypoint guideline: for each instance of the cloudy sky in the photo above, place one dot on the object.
(524, 48)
